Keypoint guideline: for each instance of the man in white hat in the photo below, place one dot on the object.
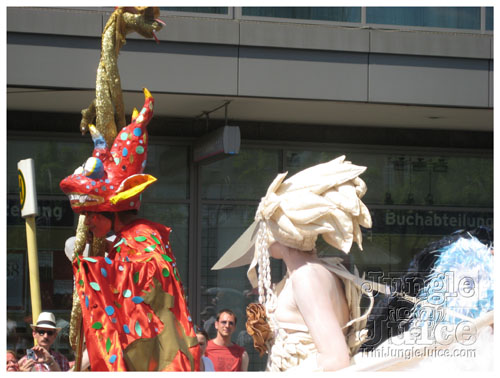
(41, 357)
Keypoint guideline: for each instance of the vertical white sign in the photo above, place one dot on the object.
(27, 187)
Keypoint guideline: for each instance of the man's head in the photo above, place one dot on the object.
(202, 337)
(45, 330)
(99, 223)
(225, 323)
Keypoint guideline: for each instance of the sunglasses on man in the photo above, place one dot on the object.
(42, 332)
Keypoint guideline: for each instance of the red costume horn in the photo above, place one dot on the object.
(112, 179)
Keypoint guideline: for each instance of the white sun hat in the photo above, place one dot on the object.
(46, 320)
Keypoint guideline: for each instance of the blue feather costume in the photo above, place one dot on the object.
(462, 280)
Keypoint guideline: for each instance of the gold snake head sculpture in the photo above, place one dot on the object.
(143, 20)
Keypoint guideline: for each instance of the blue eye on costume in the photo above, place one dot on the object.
(93, 168)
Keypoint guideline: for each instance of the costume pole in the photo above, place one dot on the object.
(76, 311)
(29, 210)
(79, 349)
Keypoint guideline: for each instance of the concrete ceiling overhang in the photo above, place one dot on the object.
(275, 110)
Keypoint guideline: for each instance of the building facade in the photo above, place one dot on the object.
(405, 91)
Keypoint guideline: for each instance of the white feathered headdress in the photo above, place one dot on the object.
(324, 199)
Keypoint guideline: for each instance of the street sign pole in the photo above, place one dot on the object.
(29, 210)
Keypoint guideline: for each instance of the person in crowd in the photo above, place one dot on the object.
(85, 363)
(226, 355)
(12, 364)
(208, 321)
(202, 336)
(42, 357)
(132, 299)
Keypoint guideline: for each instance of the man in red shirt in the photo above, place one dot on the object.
(226, 355)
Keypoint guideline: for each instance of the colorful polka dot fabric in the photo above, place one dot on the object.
(133, 304)
(112, 179)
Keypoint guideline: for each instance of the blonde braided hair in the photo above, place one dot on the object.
(267, 295)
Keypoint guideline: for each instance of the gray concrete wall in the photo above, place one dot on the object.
(60, 48)
(305, 74)
(405, 79)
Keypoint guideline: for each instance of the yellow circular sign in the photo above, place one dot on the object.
(22, 188)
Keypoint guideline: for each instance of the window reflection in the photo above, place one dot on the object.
(213, 10)
(170, 165)
(53, 161)
(428, 180)
(341, 14)
(245, 176)
(489, 18)
(439, 17)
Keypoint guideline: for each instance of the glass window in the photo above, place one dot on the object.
(296, 161)
(16, 272)
(54, 160)
(213, 10)
(414, 180)
(489, 18)
(245, 176)
(413, 200)
(438, 17)
(228, 288)
(340, 14)
(427, 180)
(170, 165)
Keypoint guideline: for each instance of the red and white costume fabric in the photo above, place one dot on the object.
(134, 310)
(135, 315)
(225, 358)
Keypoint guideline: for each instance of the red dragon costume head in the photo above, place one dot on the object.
(112, 179)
